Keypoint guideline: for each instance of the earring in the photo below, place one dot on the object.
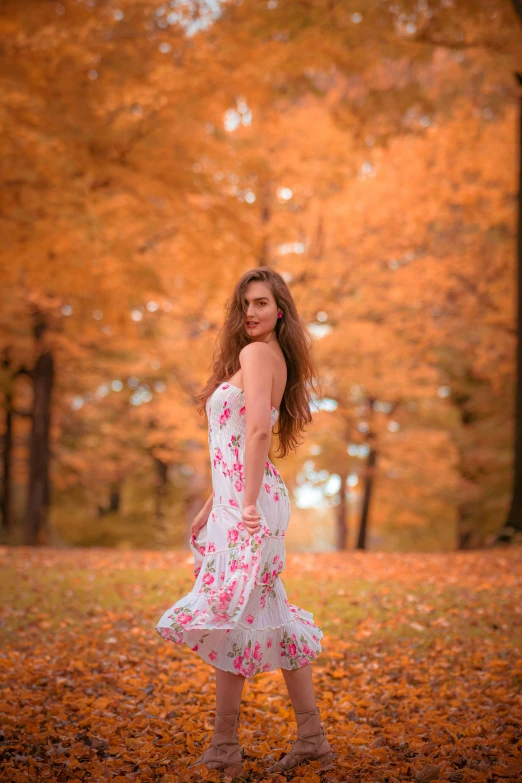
(280, 315)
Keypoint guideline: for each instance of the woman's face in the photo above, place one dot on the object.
(260, 311)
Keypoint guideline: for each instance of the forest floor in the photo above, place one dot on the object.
(419, 679)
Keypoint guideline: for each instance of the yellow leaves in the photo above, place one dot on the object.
(147, 200)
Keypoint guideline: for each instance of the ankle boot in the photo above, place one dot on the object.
(224, 755)
(309, 746)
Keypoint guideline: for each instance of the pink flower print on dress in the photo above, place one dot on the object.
(246, 653)
(257, 651)
(226, 386)
(269, 642)
(292, 650)
(242, 411)
(238, 662)
(233, 502)
(208, 579)
(225, 415)
(238, 486)
(183, 618)
(268, 488)
(219, 454)
(276, 496)
(250, 618)
(225, 596)
(196, 647)
(213, 655)
(232, 535)
(211, 547)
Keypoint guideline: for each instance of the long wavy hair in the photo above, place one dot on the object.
(295, 342)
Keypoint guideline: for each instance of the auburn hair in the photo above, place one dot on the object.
(295, 342)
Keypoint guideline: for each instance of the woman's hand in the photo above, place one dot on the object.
(199, 522)
(251, 519)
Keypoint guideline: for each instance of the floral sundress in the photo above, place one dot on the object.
(237, 616)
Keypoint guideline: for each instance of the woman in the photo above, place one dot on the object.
(237, 616)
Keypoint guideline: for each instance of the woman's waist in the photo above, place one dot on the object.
(235, 481)
(221, 461)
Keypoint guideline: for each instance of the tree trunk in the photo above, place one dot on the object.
(160, 488)
(7, 506)
(513, 523)
(342, 513)
(114, 500)
(264, 250)
(319, 241)
(368, 485)
(464, 530)
(194, 501)
(38, 493)
(466, 511)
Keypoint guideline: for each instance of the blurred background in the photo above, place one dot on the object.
(151, 153)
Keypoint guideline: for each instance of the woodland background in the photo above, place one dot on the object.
(152, 152)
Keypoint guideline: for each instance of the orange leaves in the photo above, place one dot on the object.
(100, 699)
(512, 769)
(428, 774)
(183, 688)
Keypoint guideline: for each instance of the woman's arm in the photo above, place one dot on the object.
(201, 518)
(256, 365)
(205, 511)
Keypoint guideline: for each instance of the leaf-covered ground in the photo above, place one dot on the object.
(419, 679)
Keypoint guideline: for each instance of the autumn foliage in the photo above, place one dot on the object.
(151, 153)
